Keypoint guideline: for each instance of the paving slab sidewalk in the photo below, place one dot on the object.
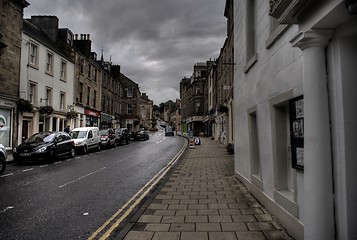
(202, 200)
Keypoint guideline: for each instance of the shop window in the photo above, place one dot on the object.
(284, 174)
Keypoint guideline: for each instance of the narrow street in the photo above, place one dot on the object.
(72, 198)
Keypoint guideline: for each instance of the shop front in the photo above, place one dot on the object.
(7, 109)
(92, 117)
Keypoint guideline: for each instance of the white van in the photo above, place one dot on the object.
(86, 138)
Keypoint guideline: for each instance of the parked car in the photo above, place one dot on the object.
(108, 138)
(141, 135)
(86, 138)
(3, 156)
(169, 131)
(44, 145)
(122, 136)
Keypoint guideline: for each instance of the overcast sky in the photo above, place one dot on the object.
(156, 42)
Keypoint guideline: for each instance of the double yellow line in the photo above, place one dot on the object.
(141, 193)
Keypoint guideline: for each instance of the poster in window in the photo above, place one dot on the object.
(5, 127)
(296, 107)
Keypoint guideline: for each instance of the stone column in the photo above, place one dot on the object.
(318, 178)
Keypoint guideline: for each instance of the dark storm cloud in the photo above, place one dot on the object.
(156, 42)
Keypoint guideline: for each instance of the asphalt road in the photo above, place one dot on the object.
(72, 198)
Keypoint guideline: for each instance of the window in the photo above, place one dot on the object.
(69, 38)
(62, 100)
(49, 96)
(88, 95)
(130, 92)
(89, 71)
(32, 93)
(49, 63)
(254, 148)
(284, 174)
(33, 55)
(250, 35)
(94, 98)
(63, 70)
(130, 109)
(81, 65)
(95, 75)
(80, 92)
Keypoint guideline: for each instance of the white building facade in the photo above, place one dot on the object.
(294, 89)
(46, 79)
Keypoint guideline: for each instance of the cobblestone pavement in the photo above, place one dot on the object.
(203, 201)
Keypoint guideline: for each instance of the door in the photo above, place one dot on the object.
(25, 130)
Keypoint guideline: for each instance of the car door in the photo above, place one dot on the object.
(90, 139)
(60, 147)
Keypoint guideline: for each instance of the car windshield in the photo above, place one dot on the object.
(103, 132)
(41, 137)
(78, 134)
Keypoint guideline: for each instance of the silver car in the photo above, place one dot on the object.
(3, 156)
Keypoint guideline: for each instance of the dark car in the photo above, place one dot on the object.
(3, 156)
(107, 138)
(141, 135)
(169, 131)
(122, 136)
(44, 145)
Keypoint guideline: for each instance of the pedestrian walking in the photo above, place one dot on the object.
(67, 129)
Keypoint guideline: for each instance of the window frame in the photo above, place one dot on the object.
(63, 70)
(62, 100)
(33, 55)
(49, 63)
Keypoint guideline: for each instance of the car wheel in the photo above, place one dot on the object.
(85, 149)
(2, 165)
(72, 153)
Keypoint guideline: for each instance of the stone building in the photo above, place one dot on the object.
(294, 82)
(11, 15)
(222, 128)
(87, 82)
(194, 100)
(111, 98)
(130, 107)
(146, 112)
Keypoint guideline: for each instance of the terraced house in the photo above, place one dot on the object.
(46, 78)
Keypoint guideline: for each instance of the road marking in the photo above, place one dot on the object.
(26, 170)
(8, 208)
(46, 165)
(6, 175)
(87, 175)
(149, 186)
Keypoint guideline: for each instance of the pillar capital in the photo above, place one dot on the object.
(311, 38)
